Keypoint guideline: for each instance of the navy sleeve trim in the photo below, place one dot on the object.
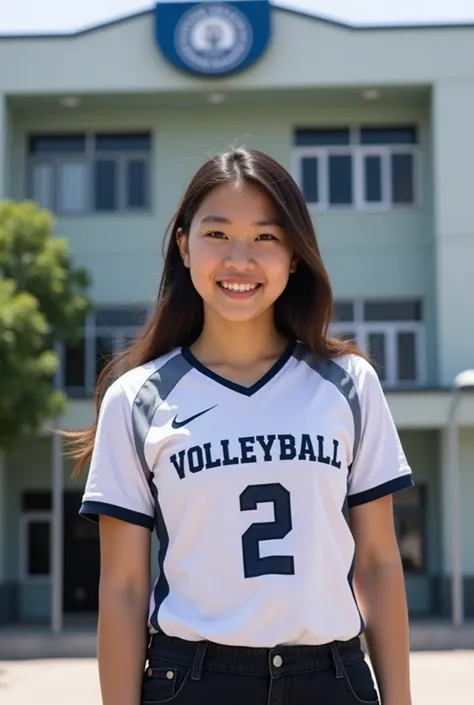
(399, 483)
(92, 510)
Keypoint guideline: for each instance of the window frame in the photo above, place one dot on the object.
(362, 328)
(358, 152)
(92, 330)
(88, 158)
(26, 518)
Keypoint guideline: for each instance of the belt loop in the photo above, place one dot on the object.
(336, 657)
(198, 660)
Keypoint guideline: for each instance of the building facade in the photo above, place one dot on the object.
(106, 126)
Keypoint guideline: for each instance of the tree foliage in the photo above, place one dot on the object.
(43, 299)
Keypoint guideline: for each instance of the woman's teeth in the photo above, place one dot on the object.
(238, 287)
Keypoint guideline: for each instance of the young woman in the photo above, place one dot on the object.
(263, 453)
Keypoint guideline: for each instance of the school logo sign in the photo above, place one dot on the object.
(213, 38)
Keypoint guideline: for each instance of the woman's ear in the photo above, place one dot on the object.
(293, 266)
(183, 244)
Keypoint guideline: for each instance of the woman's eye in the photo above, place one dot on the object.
(216, 234)
(266, 236)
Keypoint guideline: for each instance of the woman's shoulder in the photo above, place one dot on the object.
(356, 366)
(352, 365)
(129, 384)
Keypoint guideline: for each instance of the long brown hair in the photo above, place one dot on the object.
(303, 311)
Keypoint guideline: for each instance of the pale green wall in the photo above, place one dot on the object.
(453, 118)
(367, 254)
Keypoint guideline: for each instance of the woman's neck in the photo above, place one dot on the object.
(238, 345)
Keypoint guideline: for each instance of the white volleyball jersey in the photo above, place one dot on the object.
(248, 490)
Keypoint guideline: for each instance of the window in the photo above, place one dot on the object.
(90, 173)
(410, 524)
(106, 333)
(35, 536)
(364, 168)
(391, 332)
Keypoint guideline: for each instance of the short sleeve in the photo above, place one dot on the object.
(117, 485)
(379, 467)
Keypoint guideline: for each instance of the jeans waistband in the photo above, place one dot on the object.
(278, 661)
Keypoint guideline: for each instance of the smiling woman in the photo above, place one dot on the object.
(263, 453)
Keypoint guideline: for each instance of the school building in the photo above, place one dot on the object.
(105, 127)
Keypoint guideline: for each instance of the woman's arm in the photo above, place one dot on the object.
(123, 609)
(380, 590)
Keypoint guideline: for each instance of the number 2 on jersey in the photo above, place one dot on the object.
(254, 565)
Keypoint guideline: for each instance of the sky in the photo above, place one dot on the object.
(38, 16)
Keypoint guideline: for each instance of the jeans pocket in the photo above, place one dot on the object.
(163, 684)
(360, 683)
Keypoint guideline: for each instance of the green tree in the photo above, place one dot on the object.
(43, 299)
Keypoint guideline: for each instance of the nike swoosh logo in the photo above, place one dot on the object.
(178, 424)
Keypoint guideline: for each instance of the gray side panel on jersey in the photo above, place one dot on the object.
(332, 372)
(151, 394)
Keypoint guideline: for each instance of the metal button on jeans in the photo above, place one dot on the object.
(277, 661)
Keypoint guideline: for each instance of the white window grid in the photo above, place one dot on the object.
(117, 334)
(27, 518)
(358, 154)
(390, 330)
(87, 159)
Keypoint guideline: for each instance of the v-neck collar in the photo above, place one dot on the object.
(239, 388)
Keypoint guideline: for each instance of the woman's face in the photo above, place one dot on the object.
(237, 252)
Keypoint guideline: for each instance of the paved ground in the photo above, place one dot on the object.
(439, 678)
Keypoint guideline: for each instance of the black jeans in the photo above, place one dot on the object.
(203, 673)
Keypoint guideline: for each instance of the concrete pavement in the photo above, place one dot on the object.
(439, 678)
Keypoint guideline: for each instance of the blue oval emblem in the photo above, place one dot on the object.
(213, 38)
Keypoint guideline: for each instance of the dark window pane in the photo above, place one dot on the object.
(376, 345)
(322, 138)
(406, 357)
(36, 501)
(74, 365)
(137, 184)
(403, 186)
(138, 142)
(392, 311)
(409, 513)
(129, 317)
(388, 135)
(309, 176)
(105, 191)
(347, 335)
(373, 179)
(340, 180)
(57, 144)
(128, 341)
(38, 548)
(104, 352)
(343, 311)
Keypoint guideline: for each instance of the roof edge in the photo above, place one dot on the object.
(282, 8)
